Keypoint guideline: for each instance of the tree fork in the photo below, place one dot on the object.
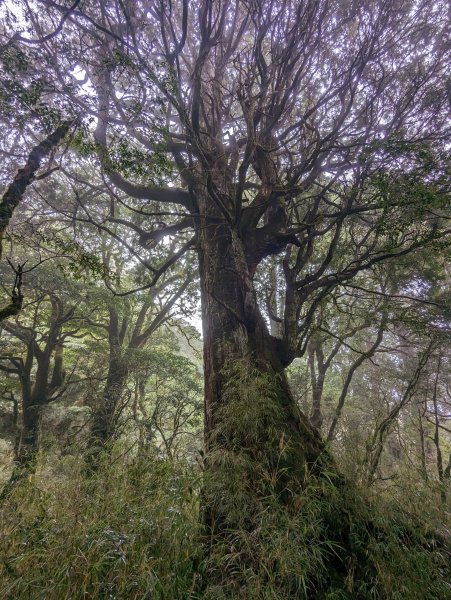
(236, 337)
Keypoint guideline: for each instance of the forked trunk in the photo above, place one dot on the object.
(255, 435)
(34, 400)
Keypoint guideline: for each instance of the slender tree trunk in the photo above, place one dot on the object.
(447, 471)
(438, 450)
(376, 446)
(356, 364)
(106, 413)
(273, 303)
(15, 191)
(16, 416)
(58, 373)
(31, 414)
(317, 379)
(422, 446)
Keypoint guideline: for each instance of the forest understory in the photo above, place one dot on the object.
(225, 300)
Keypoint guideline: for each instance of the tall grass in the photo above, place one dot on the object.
(129, 532)
(132, 532)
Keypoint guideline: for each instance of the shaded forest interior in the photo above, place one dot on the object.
(224, 300)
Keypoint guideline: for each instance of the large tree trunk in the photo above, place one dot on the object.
(251, 418)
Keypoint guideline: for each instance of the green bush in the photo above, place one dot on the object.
(129, 532)
(133, 529)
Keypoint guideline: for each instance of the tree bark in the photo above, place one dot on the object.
(238, 344)
(34, 398)
(317, 379)
(33, 403)
(376, 446)
(104, 419)
(58, 373)
(439, 457)
(424, 470)
(13, 308)
(356, 364)
(15, 305)
(123, 337)
(105, 413)
(15, 191)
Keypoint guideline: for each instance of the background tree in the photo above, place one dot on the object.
(32, 350)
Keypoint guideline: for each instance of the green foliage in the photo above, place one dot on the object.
(155, 168)
(13, 59)
(381, 553)
(128, 533)
(133, 531)
(411, 184)
(24, 101)
(250, 411)
(80, 264)
(82, 142)
(248, 449)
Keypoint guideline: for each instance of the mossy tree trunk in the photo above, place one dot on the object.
(36, 392)
(58, 372)
(35, 396)
(32, 409)
(250, 414)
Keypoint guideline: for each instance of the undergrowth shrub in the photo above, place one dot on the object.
(133, 530)
(322, 538)
(130, 531)
(337, 544)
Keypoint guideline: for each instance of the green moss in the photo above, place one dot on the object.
(275, 535)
